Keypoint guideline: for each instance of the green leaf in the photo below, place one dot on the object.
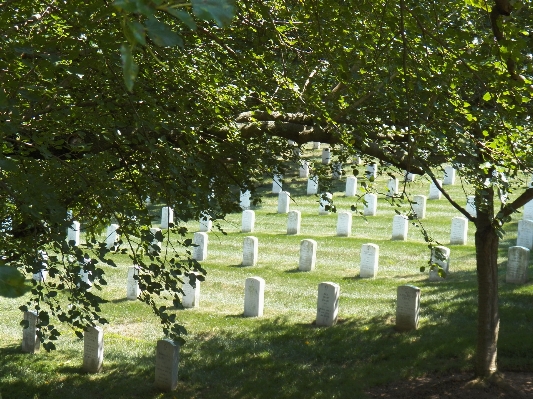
(134, 6)
(12, 282)
(137, 31)
(487, 96)
(221, 11)
(129, 67)
(161, 34)
(183, 16)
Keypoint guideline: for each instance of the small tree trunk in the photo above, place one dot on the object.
(487, 276)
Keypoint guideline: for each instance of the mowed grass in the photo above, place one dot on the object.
(283, 354)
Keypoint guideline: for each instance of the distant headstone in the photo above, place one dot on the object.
(254, 294)
(199, 252)
(419, 206)
(449, 176)
(327, 307)
(371, 205)
(41, 266)
(245, 200)
(167, 217)
(312, 185)
(111, 235)
(517, 264)
(351, 186)
(392, 187)
(326, 156)
(84, 274)
(155, 247)
(304, 169)
(307, 255)
(344, 224)
(284, 199)
(357, 160)
(434, 192)
(191, 292)
(166, 365)
(442, 260)
(277, 184)
(250, 251)
(248, 221)
(407, 307)
(369, 261)
(294, 220)
(316, 145)
(471, 205)
(206, 224)
(371, 172)
(459, 231)
(132, 286)
(400, 225)
(528, 211)
(73, 233)
(30, 341)
(323, 203)
(337, 170)
(524, 236)
(93, 349)
(409, 177)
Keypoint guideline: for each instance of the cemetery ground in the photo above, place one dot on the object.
(283, 354)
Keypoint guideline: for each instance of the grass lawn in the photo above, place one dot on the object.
(283, 354)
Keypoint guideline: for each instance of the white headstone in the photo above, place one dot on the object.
(294, 220)
(392, 187)
(284, 200)
(191, 295)
(337, 170)
(307, 255)
(371, 171)
(84, 274)
(199, 252)
(277, 185)
(419, 206)
(471, 205)
(30, 341)
(254, 297)
(400, 225)
(166, 365)
(316, 145)
(111, 235)
(344, 224)
(327, 307)
(371, 206)
(528, 211)
(73, 233)
(434, 192)
(132, 286)
(351, 186)
(369, 261)
(312, 185)
(459, 231)
(248, 221)
(326, 156)
(206, 224)
(304, 169)
(323, 203)
(167, 217)
(524, 236)
(409, 177)
(245, 200)
(250, 251)
(442, 261)
(449, 176)
(93, 349)
(407, 307)
(357, 160)
(42, 261)
(517, 264)
(155, 247)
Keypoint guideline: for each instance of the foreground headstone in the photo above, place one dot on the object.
(392, 187)
(369, 261)
(326, 156)
(132, 287)
(167, 217)
(30, 341)
(524, 236)
(304, 169)
(250, 251)
(344, 224)
(528, 211)
(206, 224)
(400, 225)
(327, 308)
(434, 192)
(517, 264)
(442, 260)
(73, 234)
(323, 203)
(155, 247)
(93, 349)
(244, 200)
(371, 205)
(371, 171)
(459, 231)
(307, 255)
(471, 205)
(407, 307)
(312, 185)
(351, 186)
(199, 252)
(449, 176)
(166, 365)
(191, 292)
(254, 297)
(248, 221)
(277, 185)
(284, 199)
(111, 236)
(419, 206)
(294, 220)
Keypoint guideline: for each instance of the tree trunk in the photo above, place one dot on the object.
(487, 275)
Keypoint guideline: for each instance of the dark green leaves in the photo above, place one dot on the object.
(161, 34)
(129, 66)
(12, 282)
(221, 11)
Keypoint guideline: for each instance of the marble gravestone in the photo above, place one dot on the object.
(323, 203)
(371, 172)
(369, 261)
(111, 236)
(155, 247)
(206, 224)
(284, 199)
(312, 185)
(524, 237)
(250, 251)
(351, 186)
(371, 205)
(277, 184)
(517, 264)
(191, 294)
(471, 205)
(254, 294)
(307, 255)
(244, 200)
(42, 261)
(199, 252)
(93, 349)
(419, 206)
(337, 170)
(407, 307)
(294, 220)
(528, 211)
(459, 231)
(344, 224)
(30, 342)
(409, 177)
(316, 145)
(442, 261)
(73, 233)
(248, 221)
(449, 176)
(304, 169)
(327, 308)
(434, 192)
(400, 225)
(326, 156)
(132, 286)
(166, 365)
(84, 274)
(167, 217)
(392, 187)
